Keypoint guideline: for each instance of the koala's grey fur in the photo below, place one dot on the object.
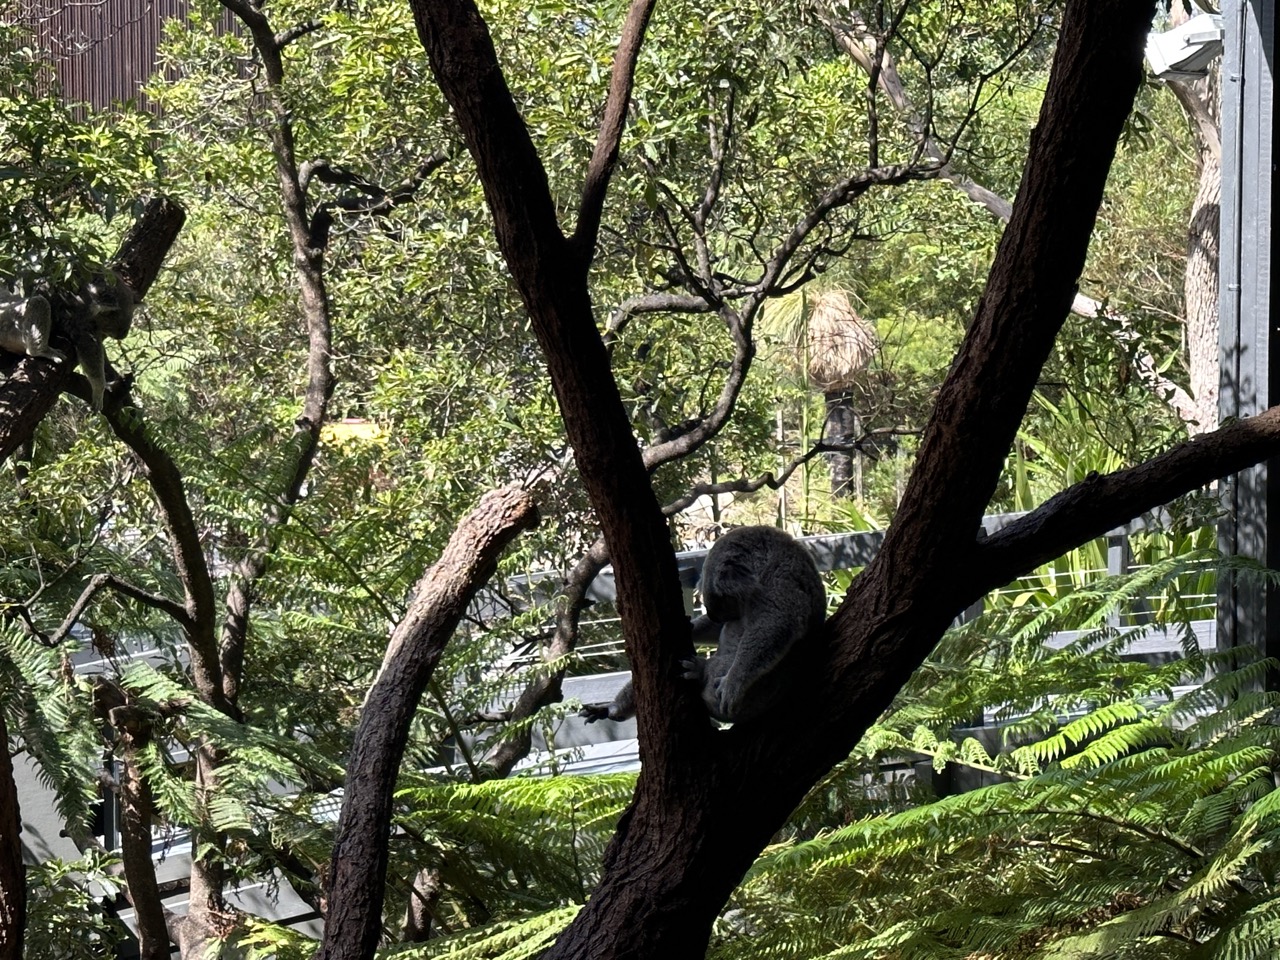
(762, 595)
(103, 307)
(25, 324)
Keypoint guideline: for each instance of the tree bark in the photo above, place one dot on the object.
(840, 428)
(424, 894)
(13, 875)
(1199, 101)
(136, 815)
(34, 385)
(358, 874)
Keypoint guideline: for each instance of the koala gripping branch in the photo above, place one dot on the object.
(33, 384)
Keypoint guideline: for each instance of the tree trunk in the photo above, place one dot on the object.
(423, 896)
(1200, 101)
(139, 869)
(840, 428)
(13, 875)
(708, 801)
(1200, 295)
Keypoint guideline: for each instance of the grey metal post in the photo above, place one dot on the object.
(1247, 613)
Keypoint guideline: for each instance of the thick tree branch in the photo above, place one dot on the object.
(133, 730)
(1101, 503)
(360, 854)
(605, 156)
(165, 478)
(552, 281)
(308, 261)
(1201, 115)
(651, 303)
(1029, 291)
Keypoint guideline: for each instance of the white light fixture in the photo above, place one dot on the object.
(1185, 52)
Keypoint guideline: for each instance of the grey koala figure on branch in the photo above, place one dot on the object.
(103, 307)
(762, 595)
(25, 325)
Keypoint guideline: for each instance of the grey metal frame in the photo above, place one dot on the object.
(1248, 613)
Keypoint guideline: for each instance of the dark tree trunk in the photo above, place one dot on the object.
(136, 811)
(13, 875)
(840, 428)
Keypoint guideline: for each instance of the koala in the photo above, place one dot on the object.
(25, 325)
(762, 595)
(102, 307)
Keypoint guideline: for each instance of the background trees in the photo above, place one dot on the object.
(338, 364)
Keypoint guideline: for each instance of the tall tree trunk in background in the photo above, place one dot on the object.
(1200, 281)
(1200, 292)
(13, 876)
(1201, 101)
(839, 428)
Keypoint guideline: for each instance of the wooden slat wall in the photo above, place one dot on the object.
(103, 50)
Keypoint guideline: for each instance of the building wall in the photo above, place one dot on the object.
(104, 50)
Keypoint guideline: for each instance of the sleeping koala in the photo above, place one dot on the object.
(762, 595)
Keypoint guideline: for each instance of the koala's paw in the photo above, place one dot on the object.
(691, 669)
(592, 712)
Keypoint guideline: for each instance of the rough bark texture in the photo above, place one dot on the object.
(1200, 295)
(840, 428)
(360, 853)
(423, 897)
(1200, 102)
(136, 812)
(13, 875)
(706, 802)
(34, 384)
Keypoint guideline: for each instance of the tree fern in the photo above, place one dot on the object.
(48, 709)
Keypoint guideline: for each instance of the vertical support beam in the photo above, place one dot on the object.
(1119, 559)
(1248, 614)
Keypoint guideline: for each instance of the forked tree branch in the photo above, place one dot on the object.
(164, 476)
(103, 581)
